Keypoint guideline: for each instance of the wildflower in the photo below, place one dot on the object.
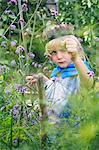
(24, 7)
(21, 89)
(15, 142)
(19, 49)
(16, 106)
(96, 39)
(13, 43)
(31, 55)
(39, 65)
(21, 21)
(15, 111)
(54, 13)
(9, 12)
(35, 64)
(2, 69)
(4, 44)
(34, 122)
(7, 92)
(8, 89)
(13, 2)
(28, 30)
(13, 63)
(12, 27)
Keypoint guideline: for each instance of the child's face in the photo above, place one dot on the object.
(61, 58)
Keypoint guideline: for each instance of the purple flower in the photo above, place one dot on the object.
(20, 49)
(13, 63)
(16, 106)
(54, 12)
(20, 88)
(9, 12)
(34, 122)
(15, 111)
(2, 69)
(12, 27)
(13, 2)
(35, 64)
(96, 39)
(31, 55)
(13, 43)
(39, 65)
(24, 7)
(15, 141)
(4, 44)
(7, 92)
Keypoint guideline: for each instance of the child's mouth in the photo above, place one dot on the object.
(61, 62)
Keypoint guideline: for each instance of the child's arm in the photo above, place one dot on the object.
(85, 78)
(83, 72)
(32, 79)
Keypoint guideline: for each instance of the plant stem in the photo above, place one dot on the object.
(38, 4)
(11, 131)
(42, 104)
(23, 36)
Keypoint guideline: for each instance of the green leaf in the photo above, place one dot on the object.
(12, 16)
(4, 62)
(4, 17)
(1, 32)
(89, 4)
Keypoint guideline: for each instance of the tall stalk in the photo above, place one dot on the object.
(42, 104)
(34, 23)
(38, 4)
(22, 33)
(11, 131)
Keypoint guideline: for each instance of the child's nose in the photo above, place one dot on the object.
(59, 54)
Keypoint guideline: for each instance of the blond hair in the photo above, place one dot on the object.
(60, 44)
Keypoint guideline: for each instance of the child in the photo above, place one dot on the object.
(71, 73)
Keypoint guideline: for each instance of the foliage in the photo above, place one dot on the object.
(21, 53)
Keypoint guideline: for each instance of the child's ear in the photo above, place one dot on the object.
(48, 56)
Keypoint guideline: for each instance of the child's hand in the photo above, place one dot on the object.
(72, 48)
(32, 79)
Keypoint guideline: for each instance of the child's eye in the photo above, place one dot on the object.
(53, 53)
